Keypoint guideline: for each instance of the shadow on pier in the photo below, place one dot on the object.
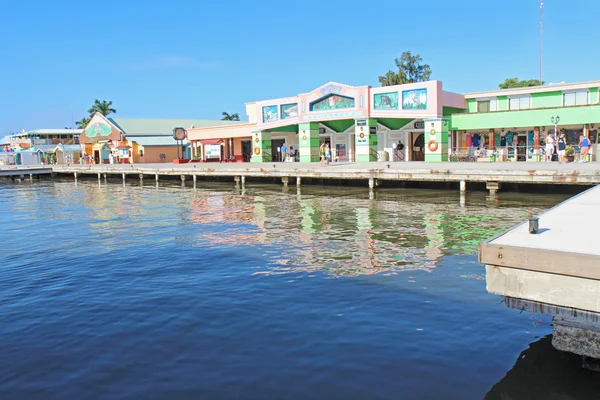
(542, 372)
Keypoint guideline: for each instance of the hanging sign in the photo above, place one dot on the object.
(321, 131)
(419, 125)
(179, 134)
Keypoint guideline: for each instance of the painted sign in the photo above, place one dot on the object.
(332, 102)
(179, 134)
(414, 99)
(289, 111)
(385, 101)
(270, 114)
(98, 129)
(373, 130)
(362, 138)
(361, 122)
(419, 125)
(321, 131)
(331, 89)
(212, 150)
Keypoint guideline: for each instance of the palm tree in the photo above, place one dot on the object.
(232, 117)
(82, 123)
(103, 107)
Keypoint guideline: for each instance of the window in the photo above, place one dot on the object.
(575, 98)
(519, 103)
(486, 106)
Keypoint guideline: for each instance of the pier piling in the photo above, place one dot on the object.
(182, 180)
(237, 180)
(243, 181)
(123, 178)
(104, 175)
(298, 181)
(493, 187)
(156, 178)
(195, 179)
(285, 180)
(141, 179)
(75, 175)
(30, 177)
(463, 186)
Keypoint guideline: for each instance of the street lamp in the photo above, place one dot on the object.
(555, 121)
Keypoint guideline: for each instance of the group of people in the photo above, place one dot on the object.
(325, 154)
(560, 146)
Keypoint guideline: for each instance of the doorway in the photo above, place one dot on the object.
(276, 148)
(246, 150)
(418, 146)
(96, 157)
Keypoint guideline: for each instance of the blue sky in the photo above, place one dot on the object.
(195, 59)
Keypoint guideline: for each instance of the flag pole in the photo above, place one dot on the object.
(541, 37)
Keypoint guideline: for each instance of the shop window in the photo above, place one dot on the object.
(484, 106)
(575, 98)
(519, 103)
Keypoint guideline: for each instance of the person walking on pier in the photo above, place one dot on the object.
(283, 152)
(549, 147)
(322, 153)
(327, 154)
(584, 143)
(562, 148)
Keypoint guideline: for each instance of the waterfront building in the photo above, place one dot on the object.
(135, 140)
(25, 140)
(365, 124)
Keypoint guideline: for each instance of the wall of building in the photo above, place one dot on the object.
(532, 117)
(152, 154)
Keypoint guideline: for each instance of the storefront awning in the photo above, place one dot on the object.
(211, 141)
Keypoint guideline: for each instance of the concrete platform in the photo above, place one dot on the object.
(556, 271)
(24, 170)
(524, 173)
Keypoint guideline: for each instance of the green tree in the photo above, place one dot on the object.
(103, 107)
(82, 123)
(510, 83)
(410, 70)
(230, 117)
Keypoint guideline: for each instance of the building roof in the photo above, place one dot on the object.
(555, 87)
(42, 132)
(153, 140)
(162, 127)
(5, 140)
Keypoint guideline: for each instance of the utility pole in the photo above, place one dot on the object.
(541, 36)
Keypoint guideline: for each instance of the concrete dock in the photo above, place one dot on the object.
(555, 271)
(493, 174)
(24, 171)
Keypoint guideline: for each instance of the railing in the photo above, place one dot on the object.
(267, 157)
(510, 153)
(374, 154)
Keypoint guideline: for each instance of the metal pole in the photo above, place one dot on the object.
(541, 36)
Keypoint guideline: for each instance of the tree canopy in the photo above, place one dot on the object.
(230, 117)
(510, 83)
(103, 107)
(410, 69)
(82, 123)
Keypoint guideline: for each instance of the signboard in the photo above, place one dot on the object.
(361, 122)
(212, 150)
(321, 131)
(419, 125)
(373, 130)
(179, 134)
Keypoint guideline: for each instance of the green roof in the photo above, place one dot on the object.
(163, 127)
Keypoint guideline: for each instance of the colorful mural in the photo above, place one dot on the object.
(270, 114)
(386, 101)
(414, 99)
(98, 129)
(289, 110)
(332, 102)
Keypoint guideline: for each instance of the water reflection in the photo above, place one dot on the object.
(348, 235)
(542, 372)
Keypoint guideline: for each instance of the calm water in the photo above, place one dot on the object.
(128, 292)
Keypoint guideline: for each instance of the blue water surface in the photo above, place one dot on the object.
(111, 291)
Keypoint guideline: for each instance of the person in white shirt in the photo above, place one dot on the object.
(549, 147)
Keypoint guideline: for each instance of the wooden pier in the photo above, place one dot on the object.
(554, 270)
(493, 174)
